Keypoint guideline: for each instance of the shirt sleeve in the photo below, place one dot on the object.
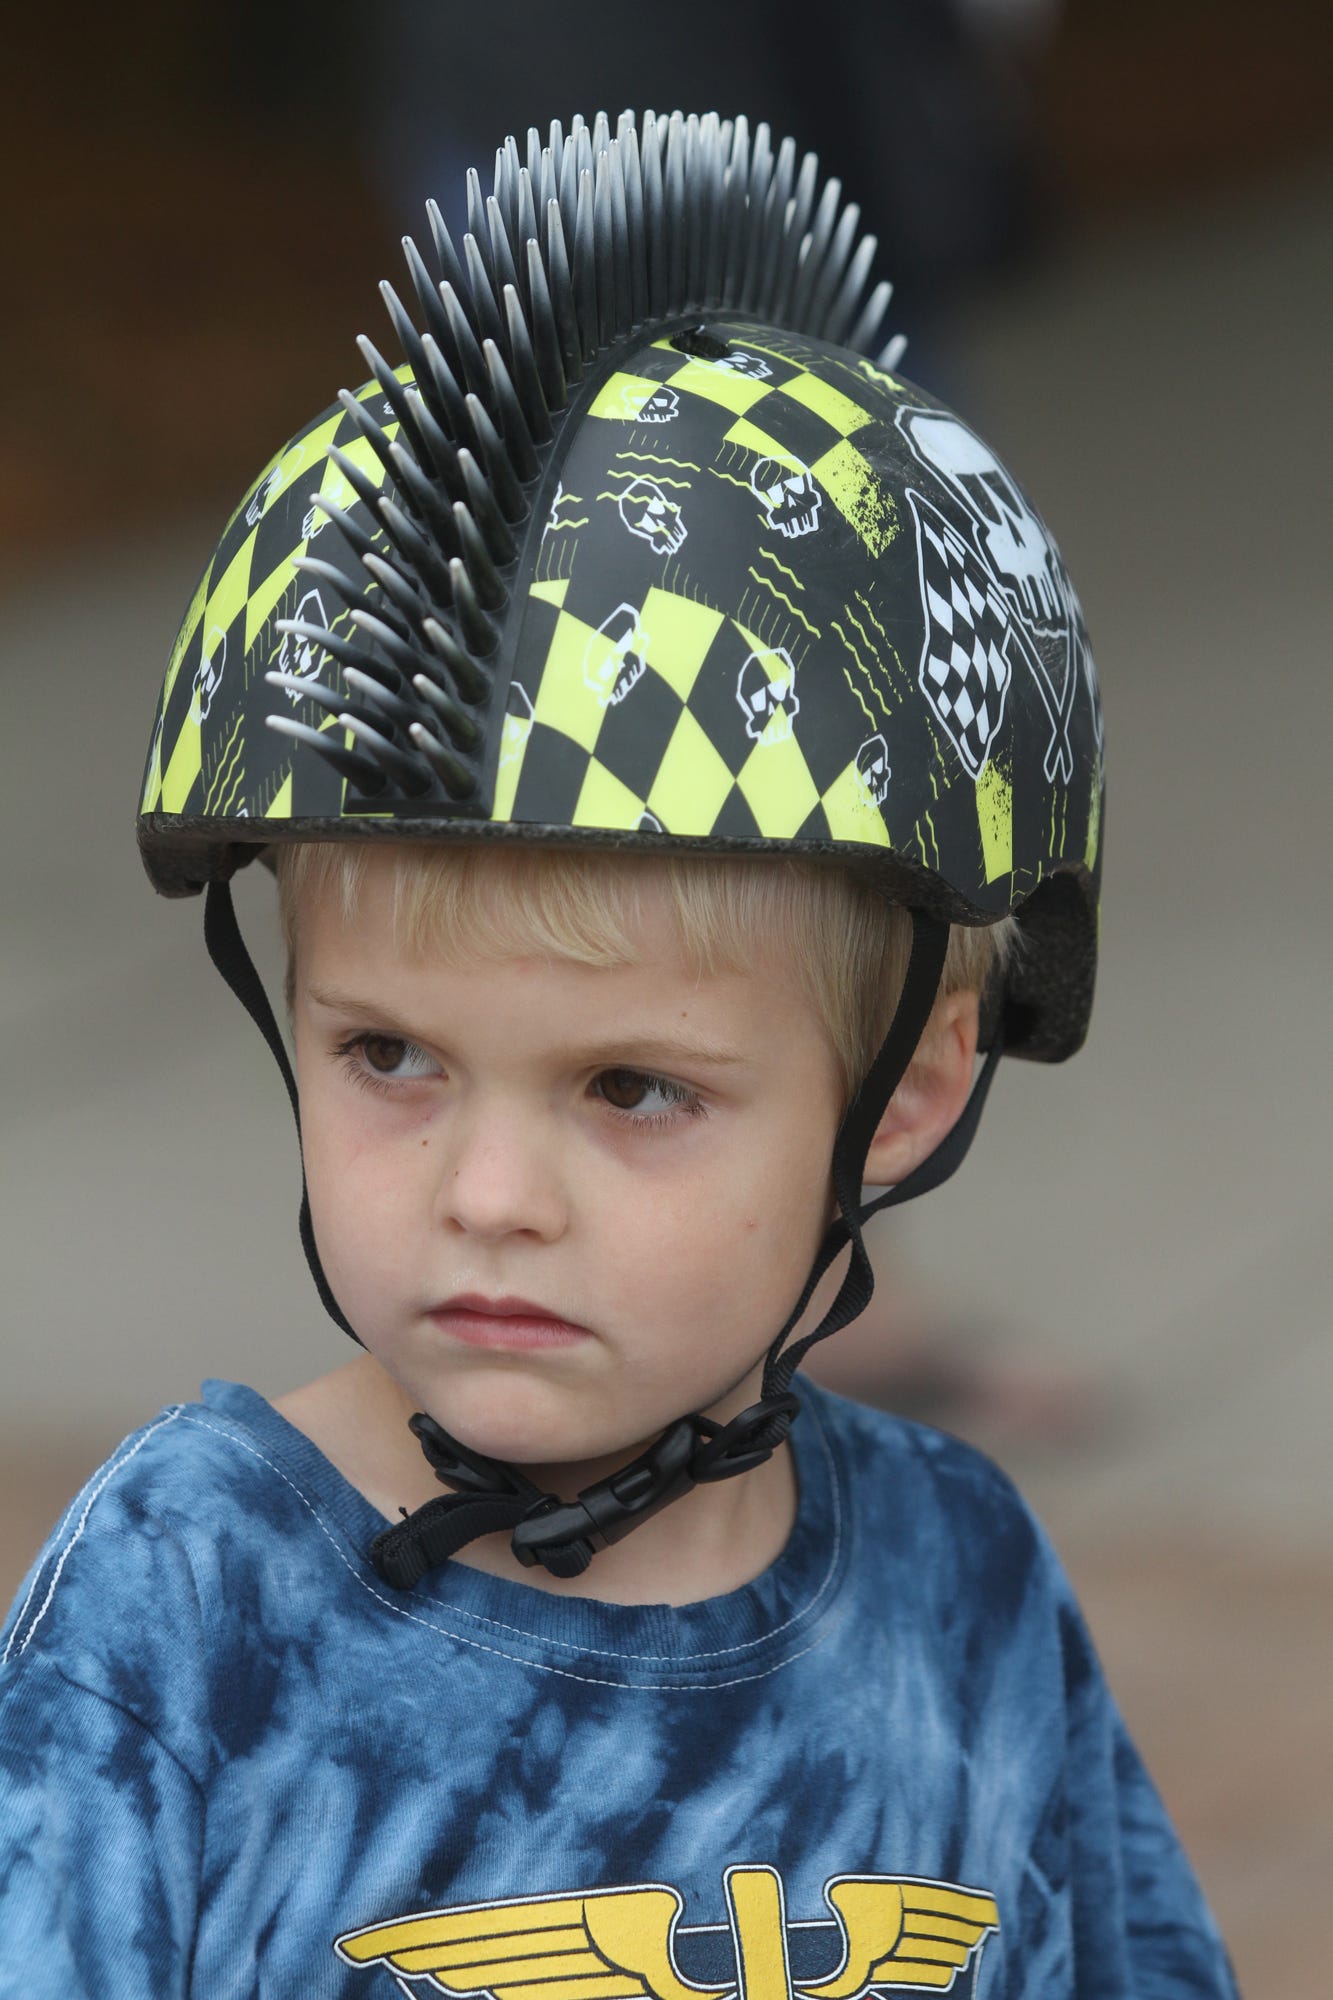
(100, 1840)
(1141, 1927)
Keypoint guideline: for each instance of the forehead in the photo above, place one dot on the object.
(615, 949)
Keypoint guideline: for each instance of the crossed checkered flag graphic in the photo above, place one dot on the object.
(965, 670)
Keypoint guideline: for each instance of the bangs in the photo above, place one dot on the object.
(831, 936)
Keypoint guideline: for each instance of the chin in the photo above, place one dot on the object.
(528, 1424)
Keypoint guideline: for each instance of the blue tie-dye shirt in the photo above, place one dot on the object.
(233, 1763)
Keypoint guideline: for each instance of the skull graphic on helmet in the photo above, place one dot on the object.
(275, 481)
(262, 494)
(208, 673)
(613, 660)
(788, 495)
(298, 656)
(1006, 528)
(648, 512)
(741, 363)
(872, 767)
(766, 692)
(658, 408)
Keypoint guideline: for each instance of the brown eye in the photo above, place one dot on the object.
(383, 1052)
(627, 1091)
(623, 1089)
(382, 1061)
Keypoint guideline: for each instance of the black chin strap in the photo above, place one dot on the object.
(226, 948)
(930, 941)
(563, 1535)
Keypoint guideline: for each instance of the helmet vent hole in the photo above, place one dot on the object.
(699, 341)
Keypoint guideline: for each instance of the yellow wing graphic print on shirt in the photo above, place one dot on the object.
(600, 1946)
(898, 1933)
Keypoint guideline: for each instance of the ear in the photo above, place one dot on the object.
(927, 1103)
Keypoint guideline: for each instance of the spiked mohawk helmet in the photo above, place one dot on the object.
(636, 547)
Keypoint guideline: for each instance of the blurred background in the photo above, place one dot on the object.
(1111, 226)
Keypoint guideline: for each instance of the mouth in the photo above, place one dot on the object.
(504, 1323)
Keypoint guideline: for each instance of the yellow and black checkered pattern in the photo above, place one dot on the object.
(211, 755)
(820, 588)
(789, 413)
(678, 751)
(718, 629)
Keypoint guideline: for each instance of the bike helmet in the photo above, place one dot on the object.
(636, 547)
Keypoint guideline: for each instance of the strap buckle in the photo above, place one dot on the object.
(607, 1510)
(727, 1449)
(693, 1451)
(469, 1471)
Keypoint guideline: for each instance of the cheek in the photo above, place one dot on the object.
(366, 1206)
(736, 1261)
(360, 1166)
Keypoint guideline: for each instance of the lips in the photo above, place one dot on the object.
(504, 1322)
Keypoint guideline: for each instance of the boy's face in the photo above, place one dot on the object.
(559, 1134)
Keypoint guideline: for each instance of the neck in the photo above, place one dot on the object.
(712, 1540)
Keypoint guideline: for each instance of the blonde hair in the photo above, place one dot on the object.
(845, 947)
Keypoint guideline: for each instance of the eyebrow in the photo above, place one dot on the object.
(629, 1049)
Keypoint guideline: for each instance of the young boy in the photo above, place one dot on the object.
(681, 758)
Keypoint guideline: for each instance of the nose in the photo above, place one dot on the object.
(499, 1174)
